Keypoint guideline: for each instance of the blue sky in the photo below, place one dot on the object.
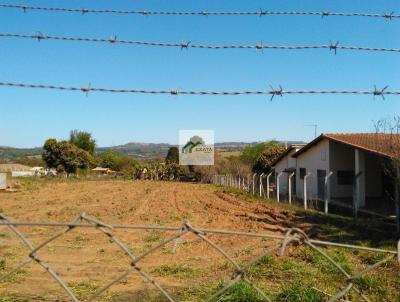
(28, 117)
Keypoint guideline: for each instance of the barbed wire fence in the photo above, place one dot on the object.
(293, 237)
(188, 45)
(261, 12)
(272, 92)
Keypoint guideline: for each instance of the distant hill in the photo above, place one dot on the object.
(136, 150)
(139, 150)
(10, 153)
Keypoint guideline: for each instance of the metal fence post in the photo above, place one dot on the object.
(305, 190)
(277, 186)
(290, 187)
(268, 176)
(327, 192)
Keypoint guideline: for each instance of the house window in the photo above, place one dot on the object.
(302, 173)
(345, 177)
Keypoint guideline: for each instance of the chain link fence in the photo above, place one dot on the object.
(293, 238)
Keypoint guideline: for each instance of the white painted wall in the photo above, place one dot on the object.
(316, 158)
(22, 173)
(332, 156)
(3, 181)
(285, 163)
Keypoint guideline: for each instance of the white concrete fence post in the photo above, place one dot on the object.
(261, 184)
(268, 185)
(305, 190)
(254, 183)
(290, 187)
(356, 204)
(277, 186)
(327, 192)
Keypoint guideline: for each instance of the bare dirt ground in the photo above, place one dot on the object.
(87, 260)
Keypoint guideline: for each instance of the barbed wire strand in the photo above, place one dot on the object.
(273, 93)
(293, 235)
(83, 11)
(187, 45)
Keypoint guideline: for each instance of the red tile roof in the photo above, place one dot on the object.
(387, 145)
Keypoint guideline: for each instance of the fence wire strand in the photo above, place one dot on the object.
(189, 45)
(376, 92)
(294, 237)
(84, 11)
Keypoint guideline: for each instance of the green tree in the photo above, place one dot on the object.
(107, 159)
(51, 153)
(251, 153)
(83, 140)
(270, 154)
(172, 156)
(126, 164)
(65, 157)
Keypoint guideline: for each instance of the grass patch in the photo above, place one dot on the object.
(2, 264)
(152, 237)
(323, 264)
(240, 292)
(12, 298)
(300, 293)
(371, 284)
(83, 289)
(178, 270)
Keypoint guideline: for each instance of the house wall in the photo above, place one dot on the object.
(316, 158)
(341, 159)
(287, 162)
(374, 167)
(334, 157)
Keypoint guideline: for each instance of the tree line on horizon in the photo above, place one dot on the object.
(78, 155)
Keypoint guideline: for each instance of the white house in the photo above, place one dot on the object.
(284, 166)
(349, 168)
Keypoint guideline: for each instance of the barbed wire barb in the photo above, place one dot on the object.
(276, 92)
(380, 93)
(334, 47)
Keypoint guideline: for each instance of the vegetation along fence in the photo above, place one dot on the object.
(268, 186)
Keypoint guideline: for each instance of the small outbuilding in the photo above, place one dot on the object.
(102, 171)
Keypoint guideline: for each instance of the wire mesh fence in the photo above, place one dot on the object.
(281, 244)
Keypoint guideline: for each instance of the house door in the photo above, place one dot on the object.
(321, 174)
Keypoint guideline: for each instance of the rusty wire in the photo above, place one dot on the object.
(272, 92)
(188, 45)
(293, 235)
(261, 12)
